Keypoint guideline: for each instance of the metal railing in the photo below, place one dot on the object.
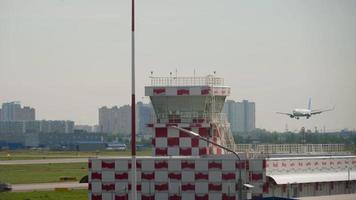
(209, 80)
(291, 148)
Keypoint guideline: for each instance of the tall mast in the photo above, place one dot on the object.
(133, 104)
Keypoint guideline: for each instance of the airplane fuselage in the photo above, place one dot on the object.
(301, 113)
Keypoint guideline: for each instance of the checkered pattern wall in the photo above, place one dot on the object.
(172, 142)
(173, 178)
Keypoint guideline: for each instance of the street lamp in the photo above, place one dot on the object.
(193, 134)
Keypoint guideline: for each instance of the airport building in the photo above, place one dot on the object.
(54, 141)
(37, 126)
(184, 167)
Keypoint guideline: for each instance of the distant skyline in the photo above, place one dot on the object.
(69, 58)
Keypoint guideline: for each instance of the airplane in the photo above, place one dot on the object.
(297, 113)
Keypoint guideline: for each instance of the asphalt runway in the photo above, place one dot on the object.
(47, 186)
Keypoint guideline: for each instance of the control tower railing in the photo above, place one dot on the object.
(209, 80)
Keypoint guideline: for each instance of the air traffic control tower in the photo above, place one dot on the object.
(184, 168)
(193, 103)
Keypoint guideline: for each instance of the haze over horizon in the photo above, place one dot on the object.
(68, 58)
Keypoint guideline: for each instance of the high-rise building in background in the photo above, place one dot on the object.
(115, 119)
(118, 119)
(231, 114)
(9, 111)
(12, 111)
(241, 115)
(123, 123)
(107, 119)
(145, 116)
(27, 113)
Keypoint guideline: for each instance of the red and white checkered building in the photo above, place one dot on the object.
(216, 177)
(185, 168)
(176, 177)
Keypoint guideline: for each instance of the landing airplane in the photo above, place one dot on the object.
(297, 113)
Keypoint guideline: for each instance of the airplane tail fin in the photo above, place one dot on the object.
(309, 104)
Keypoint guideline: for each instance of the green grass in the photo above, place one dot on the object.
(43, 154)
(41, 173)
(45, 173)
(47, 195)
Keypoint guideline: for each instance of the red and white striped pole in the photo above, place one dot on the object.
(133, 105)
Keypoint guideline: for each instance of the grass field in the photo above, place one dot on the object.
(41, 173)
(47, 195)
(45, 173)
(43, 154)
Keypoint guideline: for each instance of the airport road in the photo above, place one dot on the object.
(43, 161)
(47, 186)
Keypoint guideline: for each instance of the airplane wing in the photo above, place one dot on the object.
(289, 114)
(315, 112)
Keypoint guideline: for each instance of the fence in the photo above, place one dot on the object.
(187, 81)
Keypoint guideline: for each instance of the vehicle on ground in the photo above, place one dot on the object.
(117, 146)
(5, 187)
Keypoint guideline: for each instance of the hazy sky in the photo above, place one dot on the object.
(67, 58)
